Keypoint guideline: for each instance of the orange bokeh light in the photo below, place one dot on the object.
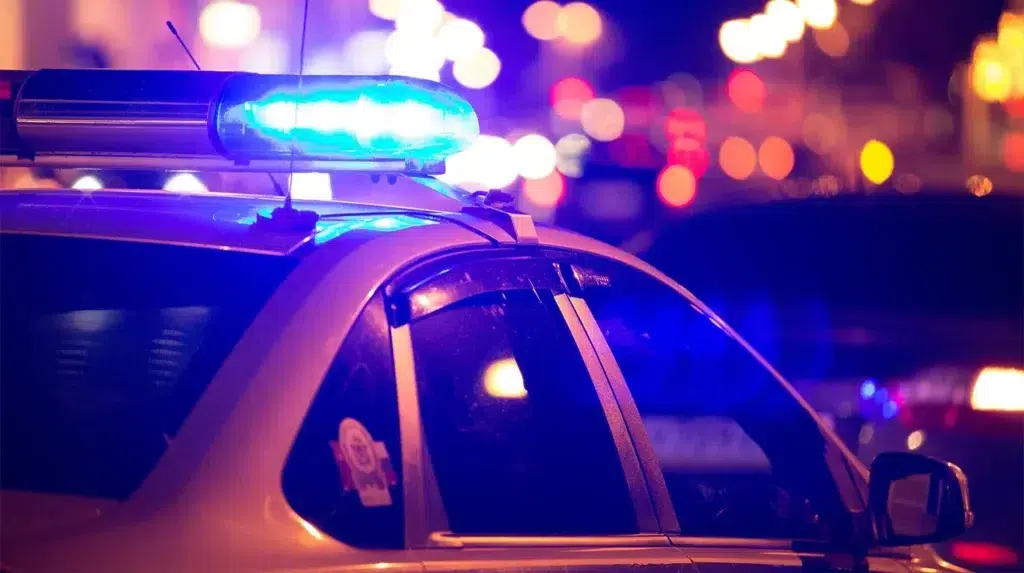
(689, 153)
(579, 23)
(568, 96)
(776, 158)
(676, 186)
(1013, 151)
(746, 91)
(737, 158)
(546, 191)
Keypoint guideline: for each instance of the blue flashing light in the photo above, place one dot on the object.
(890, 409)
(328, 230)
(882, 396)
(345, 118)
(867, 389)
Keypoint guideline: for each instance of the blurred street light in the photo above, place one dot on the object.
(602, 119)
(460, 38)
(534, 155)
(767, 36)
(746, 91)
(775, 155)
(819, 14)
(541, 20)
(570, 151)
(568, 96)
(547, 191)
(876, 161)
(737, 158)
(579, 23)
(386, 9)
(229, 24)
(677, 186)
(478, 70)
(786, 16)
(737, 42)
(834, 41)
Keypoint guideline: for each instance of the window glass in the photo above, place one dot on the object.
(343, 474)
(741, 457)
(105, 348)
(516, 433)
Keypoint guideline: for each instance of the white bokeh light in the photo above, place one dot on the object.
(267, 55)
(386, 9)
(419, 16)
(478, 70)
(767, 36)
(229, 24)
(184, 183)
(414, 54)
(87, 183)
(362, 54)
(315, 186)
(487, 164)
(736, 42)
(570, 152)
(460, 38)
(534, 156)
(787, 18)
(603, 119)
(819, 14)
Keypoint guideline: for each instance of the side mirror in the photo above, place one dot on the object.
(916, 499)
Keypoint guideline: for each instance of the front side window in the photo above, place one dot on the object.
(514, 428)
(741, 457)
(105, 348)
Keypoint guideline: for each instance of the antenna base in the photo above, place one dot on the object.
(287, 219)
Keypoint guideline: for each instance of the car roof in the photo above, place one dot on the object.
(208, 220)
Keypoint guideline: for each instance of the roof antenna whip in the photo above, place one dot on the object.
(302, 63)
(184, 46)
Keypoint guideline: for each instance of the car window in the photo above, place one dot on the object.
(740, 456)
(343, 474)
(513, 424)
(105, 347)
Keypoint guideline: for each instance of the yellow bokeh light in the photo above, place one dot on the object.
(541, 20)
(991, 80)
(876, 161)
(776, 158)
(737, 158)
(503, 379)
(787, 18)
(736, 42)
(767, 36)
(579, 23)
(819, 14)
(979, 185)
(602, 119)
(999, 389)
(229, 24)
(915, 440)
(864, 2)
(834, 41)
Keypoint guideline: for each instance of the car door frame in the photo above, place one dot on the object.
(439, 282)
(709, 550)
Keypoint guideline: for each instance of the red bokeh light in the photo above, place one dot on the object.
(685, 122)
(1013, 151)
(689, 153)
(746, 91)
(639, 104)
(568, 96)
(6, 90)
(1015, 107)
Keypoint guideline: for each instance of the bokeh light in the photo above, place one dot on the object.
(502, 379)
(1013, 151)
(488, 163)
(547, 191)
(415, 55)
(364, 53)
(570, 151)
(737, 43)
(775, 155)
(746, 91)
(87, 183)
(568, 96)
(541, 20)
(229, 24)
(822, 133)
(819, 14)
(737, 158)
(478, 70)
(991, 78)
(677, 186)
(681, 89)
(979, 185)
(908, 183)
(386, 9)
(787, 17)
(876, 161)
(602, 119)
(686, 122)
(534, 155)
(184, 183)
(767, 36)
(689, 153)
(834, 41)
(419, 16)
(268, 54)
(864, 2)
(460, 38)
(579, 23)
(312, 186)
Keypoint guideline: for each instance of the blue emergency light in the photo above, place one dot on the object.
(383, 123)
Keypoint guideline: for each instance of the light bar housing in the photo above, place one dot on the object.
(328, 123)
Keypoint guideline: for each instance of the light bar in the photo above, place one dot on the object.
(999, 389)
(370, 123)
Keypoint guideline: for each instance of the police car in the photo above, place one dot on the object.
(205, 382)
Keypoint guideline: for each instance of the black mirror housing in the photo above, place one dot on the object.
(916, 499)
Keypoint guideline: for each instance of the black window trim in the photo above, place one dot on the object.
(425, 522)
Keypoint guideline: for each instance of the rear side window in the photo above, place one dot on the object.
(352, 424)
(514, 428)
(105, 347)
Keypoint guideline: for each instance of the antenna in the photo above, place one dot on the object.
(302, 63)
(184, 46)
